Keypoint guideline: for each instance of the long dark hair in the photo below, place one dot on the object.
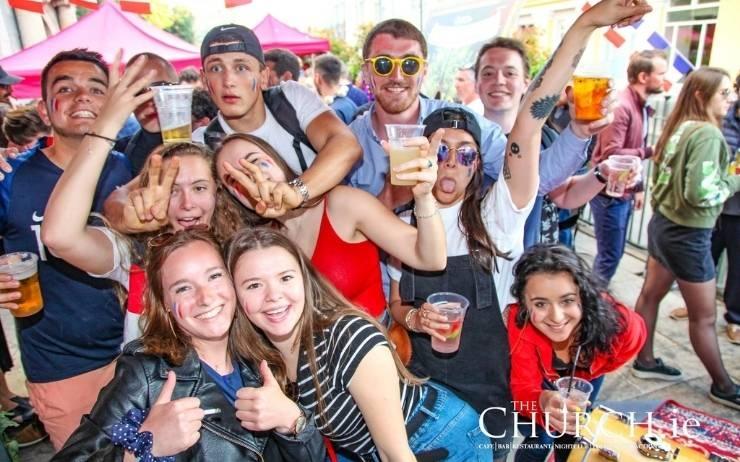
(600, 323)
(324, 305)
(699, 87)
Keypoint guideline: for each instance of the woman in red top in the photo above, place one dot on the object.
(563, 309)
(340, 230)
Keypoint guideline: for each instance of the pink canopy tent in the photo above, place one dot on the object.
(105, 30)
(274, 34)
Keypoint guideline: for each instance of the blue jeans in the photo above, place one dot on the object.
(611, 216)
(536, 448)
(452, 424)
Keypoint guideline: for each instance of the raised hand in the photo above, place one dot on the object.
(146, 209)
(423, 169)
(588, 129)
(562, 413)
(174, 424)
(125, 93)
(266, 408)
(5, 154)
(271, 199)
(432, 321)
(618, 13)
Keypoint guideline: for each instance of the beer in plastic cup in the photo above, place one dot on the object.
(174, 109)
(579, 392)
(400, 154)
(23, 266)
(588, 93)
(453, 306)
(619, 172)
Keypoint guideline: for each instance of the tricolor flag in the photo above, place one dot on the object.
(28, 5)
(136, 6)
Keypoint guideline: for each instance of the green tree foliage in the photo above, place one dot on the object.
(538, 55)
(178, 21)
(350, 54)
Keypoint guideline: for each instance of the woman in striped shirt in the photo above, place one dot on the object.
(335, 360)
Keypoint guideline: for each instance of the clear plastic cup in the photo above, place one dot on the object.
(174, 109)
(619, 173)
(453, 306)
(400, 154)
(579, 392)
(23, 266)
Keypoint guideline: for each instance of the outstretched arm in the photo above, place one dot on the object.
(521, 160)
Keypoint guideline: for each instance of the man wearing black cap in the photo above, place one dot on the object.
(6, 86)
(234, 72)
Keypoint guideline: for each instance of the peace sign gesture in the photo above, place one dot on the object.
(270, 199)
(146, 208)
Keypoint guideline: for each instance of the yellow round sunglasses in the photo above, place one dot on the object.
(384, 65)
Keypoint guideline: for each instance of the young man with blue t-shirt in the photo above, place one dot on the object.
(68, 348)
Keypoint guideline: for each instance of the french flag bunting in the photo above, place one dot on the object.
(137, 7)
(614, 37)
(90, 5)
(658, 41)
(28, 5)
(682, 64)
(233, 3)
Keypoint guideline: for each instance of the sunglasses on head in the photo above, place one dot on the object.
(465, 154)
(384, 65)
(166, 237)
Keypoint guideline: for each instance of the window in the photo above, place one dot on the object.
(690, 28)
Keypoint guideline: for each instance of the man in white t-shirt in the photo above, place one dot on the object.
(233, 72)
(465, 91)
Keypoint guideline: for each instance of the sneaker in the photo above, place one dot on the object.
(727, 399)
(733, 333)
(28, 433)
(660, 371)
(679, 314)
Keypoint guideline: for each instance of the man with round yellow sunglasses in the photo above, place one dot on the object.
(395, 54)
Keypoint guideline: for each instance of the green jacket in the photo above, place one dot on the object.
(690, 182)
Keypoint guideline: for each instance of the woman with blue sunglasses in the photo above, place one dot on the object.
(485, 231)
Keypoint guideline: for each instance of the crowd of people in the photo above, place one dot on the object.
(261, 293)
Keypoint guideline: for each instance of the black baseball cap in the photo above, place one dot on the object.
(8, 79)
(231, 38)
(452, 117)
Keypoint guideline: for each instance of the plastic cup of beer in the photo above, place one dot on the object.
(578, 393)
(619, 173)
(589, 91)
(174, 109)
(23, 266)
(397, 134)
(453, 306)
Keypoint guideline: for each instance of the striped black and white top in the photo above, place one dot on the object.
(339, 350)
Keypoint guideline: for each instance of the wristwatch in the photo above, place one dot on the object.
(602, 179)
(300, 424)
(300, 187)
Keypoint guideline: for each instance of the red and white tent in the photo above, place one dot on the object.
(105, 31)
(275, 34)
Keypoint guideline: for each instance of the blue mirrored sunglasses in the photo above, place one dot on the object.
(465, 154)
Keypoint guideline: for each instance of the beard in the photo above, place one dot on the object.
(396, 103)
(655, 90)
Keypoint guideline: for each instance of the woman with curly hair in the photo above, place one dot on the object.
(564, 321)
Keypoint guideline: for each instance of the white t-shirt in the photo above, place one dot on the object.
(120, 273)
(307, 105)
(505, 225)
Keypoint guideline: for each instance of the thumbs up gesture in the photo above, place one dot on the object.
(267, 407)
(174, 424)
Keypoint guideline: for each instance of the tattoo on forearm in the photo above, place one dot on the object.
(515, 150)
(542, 108)
(507, 172)
(577, 58)
(538, 80)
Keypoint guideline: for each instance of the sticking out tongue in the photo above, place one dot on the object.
(447, 185)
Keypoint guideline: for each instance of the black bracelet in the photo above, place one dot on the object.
(95, 135)
(602, 179)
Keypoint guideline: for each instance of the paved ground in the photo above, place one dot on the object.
(671, 343)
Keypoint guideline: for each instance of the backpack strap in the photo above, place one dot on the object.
(214, 134)
(285, 115)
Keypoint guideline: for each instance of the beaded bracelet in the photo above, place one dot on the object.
(407, 319)
(126, 433)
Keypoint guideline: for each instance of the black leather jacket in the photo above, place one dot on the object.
(137, 383)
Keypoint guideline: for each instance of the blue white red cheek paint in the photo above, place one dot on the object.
(254, 83)
(176, 310)
(470, 171)
(54, 105)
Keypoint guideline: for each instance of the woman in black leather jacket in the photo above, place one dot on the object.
(181, 367)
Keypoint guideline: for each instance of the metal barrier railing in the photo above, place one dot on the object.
(637, 227)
